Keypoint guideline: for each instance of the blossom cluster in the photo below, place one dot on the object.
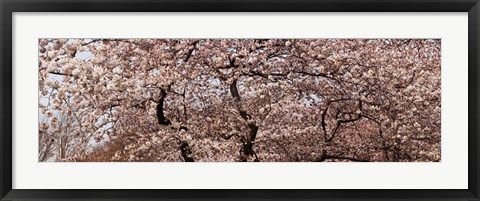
(221, 100)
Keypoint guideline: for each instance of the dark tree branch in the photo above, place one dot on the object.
(324, 125)
(339, 122)
(234, 90)
(189, 54)
(186, 152)
(343, 158)
(247, 148)
(228, 137)
(326, 156)
(58, 73)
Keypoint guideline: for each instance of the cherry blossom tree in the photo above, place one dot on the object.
(239, 100)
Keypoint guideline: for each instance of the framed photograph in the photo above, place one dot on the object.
(239, 100)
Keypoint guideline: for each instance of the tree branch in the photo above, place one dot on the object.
(247, 148)
(189, 54)
(186, 152)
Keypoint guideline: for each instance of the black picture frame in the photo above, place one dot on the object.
(7, 8)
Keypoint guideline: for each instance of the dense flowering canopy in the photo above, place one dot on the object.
(239, 99)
